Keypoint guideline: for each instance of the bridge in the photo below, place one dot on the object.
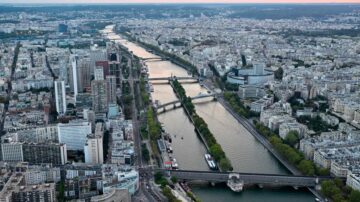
(155, 59)
(247, 178)
(171, 78)
(176, 102)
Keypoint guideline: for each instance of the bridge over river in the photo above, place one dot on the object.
(176, 103)
(248, 178)
(155, 59)
(171, 78)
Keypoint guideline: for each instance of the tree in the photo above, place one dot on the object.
(327, 187)
(173, 179)
(292, 138)
(216, 151)
(71, 106)
(322, 171)
(278, 74)
(306, 167)
(61, 191)
(3, 99)
(354, 196)
(159, 178)
(15, 97)
(167, 192)
(225, 164)
(145, 152)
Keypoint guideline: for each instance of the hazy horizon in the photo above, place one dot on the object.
(174, 1)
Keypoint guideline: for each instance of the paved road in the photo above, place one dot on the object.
(9, 90)
(148, 191)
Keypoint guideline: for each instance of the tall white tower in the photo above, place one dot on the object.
(60, 96)
(74, 75)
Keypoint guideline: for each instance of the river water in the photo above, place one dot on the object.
(244, 151)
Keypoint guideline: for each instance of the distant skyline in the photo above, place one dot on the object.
(176, 1)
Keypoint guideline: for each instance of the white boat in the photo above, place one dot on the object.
(210, 161)
(170, 150)
(151, 87)
(234, 182)
(174, 164)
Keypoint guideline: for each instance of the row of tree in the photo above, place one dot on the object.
(333, 189)
(338, 192)
(143, 93)
(291, 154)
(238, 106)
(215, 149)
(154, 129)
(164, 185)
(127, 99)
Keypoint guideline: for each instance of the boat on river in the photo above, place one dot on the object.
(210, 161)
(235, 183)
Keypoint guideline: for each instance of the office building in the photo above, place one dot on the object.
(111, 89)
(257, 75)
(34, 193)
(83, 101)
(115, 70)
(74, 75)
(99, 73)
(99, 96)
(353, 180)
(45, 153)
(34, 153)
(12, 151)
(113, 111)
(96, 55)
(46, 134)
(104, 65)
(74, 134)
(60, 97)
(84, 75)
(93, 148)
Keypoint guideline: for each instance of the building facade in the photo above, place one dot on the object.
(99, 96)
(60, 97)
(45, 153)
(74, 134)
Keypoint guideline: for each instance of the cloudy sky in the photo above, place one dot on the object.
(179, 1)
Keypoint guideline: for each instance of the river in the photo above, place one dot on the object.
(244, 151)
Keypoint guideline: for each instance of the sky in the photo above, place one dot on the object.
(179, 1)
